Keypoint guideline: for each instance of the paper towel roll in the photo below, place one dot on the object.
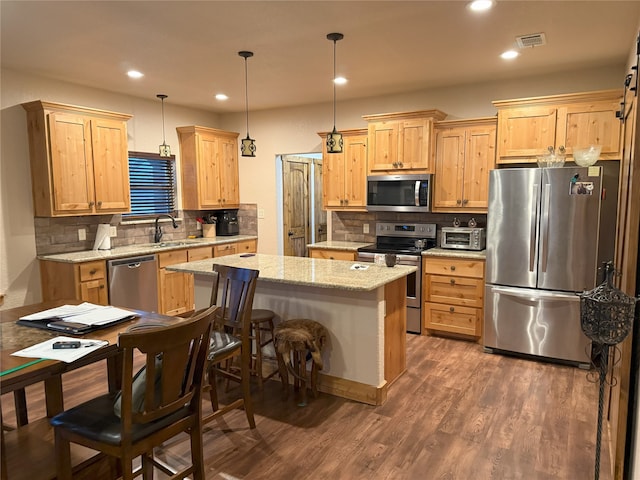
(103, 240)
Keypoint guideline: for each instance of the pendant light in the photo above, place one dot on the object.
(165, 150)
(248, 147)
(334, 139)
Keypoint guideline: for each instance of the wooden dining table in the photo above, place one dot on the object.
(27, 451)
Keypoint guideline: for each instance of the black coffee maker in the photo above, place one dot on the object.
(227, 222)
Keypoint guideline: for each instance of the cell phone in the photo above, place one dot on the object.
(66, 344)
(248, 255)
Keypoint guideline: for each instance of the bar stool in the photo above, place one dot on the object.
(294, 340)
(261, 323)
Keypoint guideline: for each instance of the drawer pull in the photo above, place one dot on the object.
(453, 268)
(92, 271)
(451, 309)
(452, 281)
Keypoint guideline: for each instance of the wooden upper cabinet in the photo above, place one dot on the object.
(401, 142)
(528, 127)
(344, 175)
(79, 160)
(465, 153)
(209, 168)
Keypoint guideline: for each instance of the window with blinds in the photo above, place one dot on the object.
(153, 184)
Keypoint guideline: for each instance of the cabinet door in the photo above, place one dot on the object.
(480, 158)
(453, 319)
(208, 158)
(333, 179)
(414, 143)
(355, 176)
(450, 152)
(226, 249)
(94, 292)
(593, 123)
(110, 166)
(229, 181)
(71, 164)
(525, 132)
(383, 146)
(177, 292)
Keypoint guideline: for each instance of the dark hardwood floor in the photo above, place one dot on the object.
(456, 414)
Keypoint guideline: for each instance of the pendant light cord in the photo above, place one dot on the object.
(246, 93)
(163, 136)
(334, 84)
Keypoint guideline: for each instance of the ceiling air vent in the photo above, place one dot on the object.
(533, 40)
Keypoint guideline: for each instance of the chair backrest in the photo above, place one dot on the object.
(236, 287)
(175, 360)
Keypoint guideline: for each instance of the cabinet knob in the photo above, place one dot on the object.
(342, 201)
(91, 204)
(400, 164)
(92, 271)
(101, 286)
(453, 268)
(99, 203)
(451, 309)
(395, 164)
(452, 281)
(465, 201)
(346, 201)
(458, 202)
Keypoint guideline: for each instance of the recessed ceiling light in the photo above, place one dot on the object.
(135, 74)
(480, 5)
(509, 55)
(340, 80)
(221, 97)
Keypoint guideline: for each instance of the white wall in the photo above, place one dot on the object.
(292, 130)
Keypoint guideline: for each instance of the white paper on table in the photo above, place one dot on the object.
(358, 266)
(45, 349)
(86, 313)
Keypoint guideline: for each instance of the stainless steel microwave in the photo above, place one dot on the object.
(463, 238)
(399, 193)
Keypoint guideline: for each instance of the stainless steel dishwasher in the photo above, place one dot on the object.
(133, 283)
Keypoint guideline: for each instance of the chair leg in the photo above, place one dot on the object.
(284, 374)
(147, 466)
(314, 379)
(63, 457)
(257, 334)
(246, 387)
(213, 393)
(197, 455)
(302, 371)
(127, 466)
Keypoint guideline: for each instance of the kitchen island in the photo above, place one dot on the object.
(362, 306)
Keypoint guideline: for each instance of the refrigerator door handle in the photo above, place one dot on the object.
(536, 294)
(533, 227)
(545, 227)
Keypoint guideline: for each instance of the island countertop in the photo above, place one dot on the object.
(339, 245)
(314, 272)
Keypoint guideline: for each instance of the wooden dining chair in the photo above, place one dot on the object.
(145, 413)
(231, 336)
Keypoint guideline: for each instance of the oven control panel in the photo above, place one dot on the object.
(413, 230)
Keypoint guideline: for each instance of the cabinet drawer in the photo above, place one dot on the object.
(455, 290)
(226, 249)
(459, 267)
(92, 271)
(247, 246)
(172, 257)
(332, 254)
(200, 253)
(446, 318)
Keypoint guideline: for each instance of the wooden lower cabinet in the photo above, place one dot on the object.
(81, 281)
(332, 254)
(453, 290)
(175, 289)
(243, 246)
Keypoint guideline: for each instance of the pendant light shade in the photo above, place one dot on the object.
(334, 139)
(165, 150)
(248, 146)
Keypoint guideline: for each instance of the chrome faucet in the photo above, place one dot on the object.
(158, 234)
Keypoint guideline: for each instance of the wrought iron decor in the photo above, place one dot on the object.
(606, 316)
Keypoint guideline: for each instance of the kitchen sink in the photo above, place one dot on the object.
(174, 243)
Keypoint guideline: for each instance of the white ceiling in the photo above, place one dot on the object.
(188, 49)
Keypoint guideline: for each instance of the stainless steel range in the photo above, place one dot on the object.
(407, 241)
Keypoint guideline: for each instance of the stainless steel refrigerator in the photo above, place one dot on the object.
(548, 231)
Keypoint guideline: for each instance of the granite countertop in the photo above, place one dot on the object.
(339, 245)
(314, 272)
(445, 252)
(142, 249)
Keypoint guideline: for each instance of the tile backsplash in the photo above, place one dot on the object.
(347, 226)
(60, 234)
